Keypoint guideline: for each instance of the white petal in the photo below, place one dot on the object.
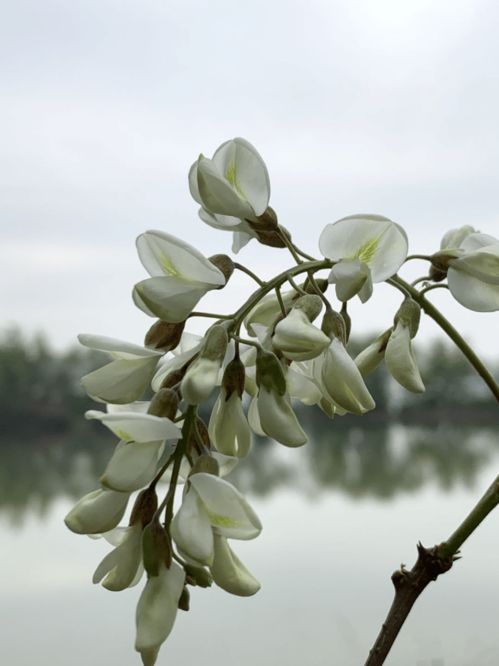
(267, 311)
(157, 609)
(191, 529)
(134, 427)
(351, 277)
(168, 298)
(119, 568)
(218, 195)
(371, 357)
(473, 293)
(301, 385)
(228, 510)
(119, 348)
(343, 382)
(171, 364)
(229, 572)
(132, 466)
(97, 512)
(200, 380)
(400, 360)
(120, 381)
(228, 427)
(242, 165)
(453, 238)
(223, 222)
(254, 418)
(482, 264)
(164, 254)
(373, 239)
(477, 241)
(297, 338)
(278, 419)
(240, 239)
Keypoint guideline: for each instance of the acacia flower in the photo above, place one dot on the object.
(122, 567)
(202, 375)
(295, 336)
(472, 261)
(366, 249)
(234, 183)
(99, 511)
(399, 357)
(157, 610)
(125, 379)
(180, 276)
(276, 417)
(211, 504)
(229, 572)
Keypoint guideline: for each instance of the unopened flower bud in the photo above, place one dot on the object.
(144, 508)
(164, 335)
(224, 264)
(202, 430)
(369, 359)
(164, 403)
(269, 372)
(267, 220)
(173, 378)
(333, 326)
(311, 304)
(207, 464)
(437, 274)
(156, 548)
(347, 319)
(309, 287)
(270, 238)
(233, 379)
(441, 260)
(215, 343)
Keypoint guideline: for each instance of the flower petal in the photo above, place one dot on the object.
(229, 512)
(278, 419)
(229, 572)
(132, 465)
(97, 512)
(135, 427)
(191, 529)
(400, 361)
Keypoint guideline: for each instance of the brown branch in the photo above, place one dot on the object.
(431, 563)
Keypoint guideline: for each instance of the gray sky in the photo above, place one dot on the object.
(382, 106)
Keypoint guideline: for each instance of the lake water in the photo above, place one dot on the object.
(339, 516)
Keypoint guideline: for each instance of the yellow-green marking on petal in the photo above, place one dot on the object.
(222, 521)
(167, 266)
(231, 176)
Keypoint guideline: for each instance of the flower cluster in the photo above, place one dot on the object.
(287, 343)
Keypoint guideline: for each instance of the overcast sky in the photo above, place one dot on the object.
(382, 106)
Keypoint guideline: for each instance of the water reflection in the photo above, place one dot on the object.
(378, 461)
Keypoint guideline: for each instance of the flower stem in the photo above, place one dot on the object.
(252, 275)
(449, 329)
(180, 451)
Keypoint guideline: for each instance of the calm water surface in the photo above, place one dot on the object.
(339, 516)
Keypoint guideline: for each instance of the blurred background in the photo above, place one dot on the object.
(362, 106)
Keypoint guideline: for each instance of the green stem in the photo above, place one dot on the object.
(479, 512)
(449, 329)
(433, 286)
(278, 280)
(252, 275)
(211, 315)
(425, 257)
(179, 454)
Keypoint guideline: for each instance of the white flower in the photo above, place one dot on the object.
(211, 505)
(228, 427)
(267, 311)
(203, 374)
(473, 276)
(180, 276)
(133, 465)
(229, 572)
(400, 361)
(122, 567)
(297, 338)
(188, 347)
(157, 610)
(131, 425)
(277, 418)
(367, 249)
(342, 380)
(125, 379)
(234, 183)
(99, 511)
(369, 358)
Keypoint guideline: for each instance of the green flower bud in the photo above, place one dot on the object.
(311, 304)
(233, 379)
(215, 343)
(198, 575)
(156, 548)
(144, 508)
(333, 326)
(183, 602)
(269, 372)
(164, 403)
(207, 464)
(224, 264)
(164, 335)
